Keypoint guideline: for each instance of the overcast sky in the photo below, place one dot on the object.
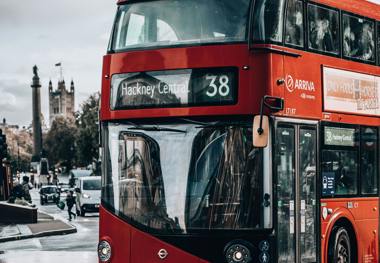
(45, 32)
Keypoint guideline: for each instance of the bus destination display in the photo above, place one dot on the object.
(175, 88)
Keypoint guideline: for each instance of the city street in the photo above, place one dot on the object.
(78, 247)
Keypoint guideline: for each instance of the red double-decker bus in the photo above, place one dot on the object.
(241, 131)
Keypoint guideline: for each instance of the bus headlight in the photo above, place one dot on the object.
(86, 196)
(104, 251)
(238, 253)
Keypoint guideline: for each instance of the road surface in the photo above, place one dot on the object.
(79, 247)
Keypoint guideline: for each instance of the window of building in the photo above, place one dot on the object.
(294, 34)
(323, 28)
(369, 160)
(358, 38)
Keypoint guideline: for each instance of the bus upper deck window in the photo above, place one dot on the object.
(268, 20)
(323, 26)
(294, 23)
(167, 23)
(358, 38)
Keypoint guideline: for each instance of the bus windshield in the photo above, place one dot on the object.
(168, 22)
(184, 178)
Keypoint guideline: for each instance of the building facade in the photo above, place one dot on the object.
(61, 101)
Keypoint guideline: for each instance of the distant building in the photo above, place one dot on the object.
(19, 140)
(4, 125)
(61, 101)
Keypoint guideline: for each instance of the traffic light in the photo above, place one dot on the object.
(3, 146)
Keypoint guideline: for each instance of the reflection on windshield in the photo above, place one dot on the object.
(224, 184)
(170, 22)
(141, 190)
(206, 178)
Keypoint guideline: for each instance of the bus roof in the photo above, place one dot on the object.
(367, 8)
(359, 7)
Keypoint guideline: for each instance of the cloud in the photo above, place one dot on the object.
(15, 101)
(76, 35)
(8, 101)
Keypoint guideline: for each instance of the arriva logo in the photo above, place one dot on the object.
(298, 84)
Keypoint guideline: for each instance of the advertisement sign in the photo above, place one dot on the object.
(351, 92)
(328, 183)
(173, 88)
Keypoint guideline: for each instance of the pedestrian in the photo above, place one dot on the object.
(72, 181)
(77, 201)
(70, 201)
(26, 187)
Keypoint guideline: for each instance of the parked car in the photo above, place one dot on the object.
(89, 194)
(49, 193)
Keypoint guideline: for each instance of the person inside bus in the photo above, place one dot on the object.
(349, 43)
(294, 34)
(321, 37)
(343, 180)
(366, 44)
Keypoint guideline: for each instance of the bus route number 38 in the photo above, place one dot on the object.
(218, 85)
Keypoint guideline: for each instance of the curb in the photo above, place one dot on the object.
(66, 231)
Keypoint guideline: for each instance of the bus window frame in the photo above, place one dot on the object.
(267, 41)
(111, 49)
(363, 127)
(341, 38)
(304, 23)
(339, 42)
(215, 233)
(357, 148)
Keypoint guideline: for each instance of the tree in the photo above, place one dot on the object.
(60, 142)
(87, 121)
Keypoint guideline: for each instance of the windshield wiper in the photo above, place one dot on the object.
(155, 128)
(219, 124)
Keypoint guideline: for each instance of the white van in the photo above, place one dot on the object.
(89, 196)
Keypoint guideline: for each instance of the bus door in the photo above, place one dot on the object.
(296, 170)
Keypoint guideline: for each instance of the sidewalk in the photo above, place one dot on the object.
(46, 226)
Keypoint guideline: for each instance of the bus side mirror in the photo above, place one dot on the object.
(260, 131)
(261, 122)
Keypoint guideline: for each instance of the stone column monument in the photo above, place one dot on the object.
(37, 132)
